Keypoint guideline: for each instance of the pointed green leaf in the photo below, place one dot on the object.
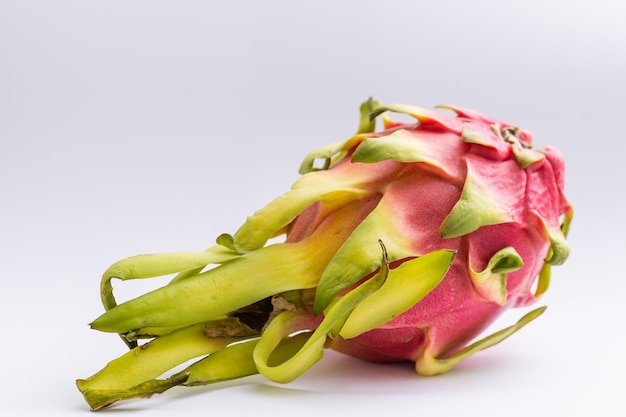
(367, 124)
(567, 220)
(491, 282)
(403, 146)
(131, 374)
(543, 282)
(488, 137)
(329, 154)
(526, 157)
(294, 366)
(156, 265)
(405, 286)
(313, 350)
(468, 113)
(427, 118)
(474, 209)
(559, 247)
(473, 135)
(223, 252)
(332, 186)
(399, 145)
(359, 255)
(98, 398)
(491, 194)
(236, 361)
(243, 281)
(427, 364)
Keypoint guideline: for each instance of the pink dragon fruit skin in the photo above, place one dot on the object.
(405, 246)
(501, 193)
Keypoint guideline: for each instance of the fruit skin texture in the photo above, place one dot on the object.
(485, 194)
(405, 245)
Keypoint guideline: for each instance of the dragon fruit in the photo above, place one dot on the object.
(399, 245)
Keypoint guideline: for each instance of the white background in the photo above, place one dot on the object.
(130, 127)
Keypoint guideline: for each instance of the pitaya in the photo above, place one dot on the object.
(404, 246)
